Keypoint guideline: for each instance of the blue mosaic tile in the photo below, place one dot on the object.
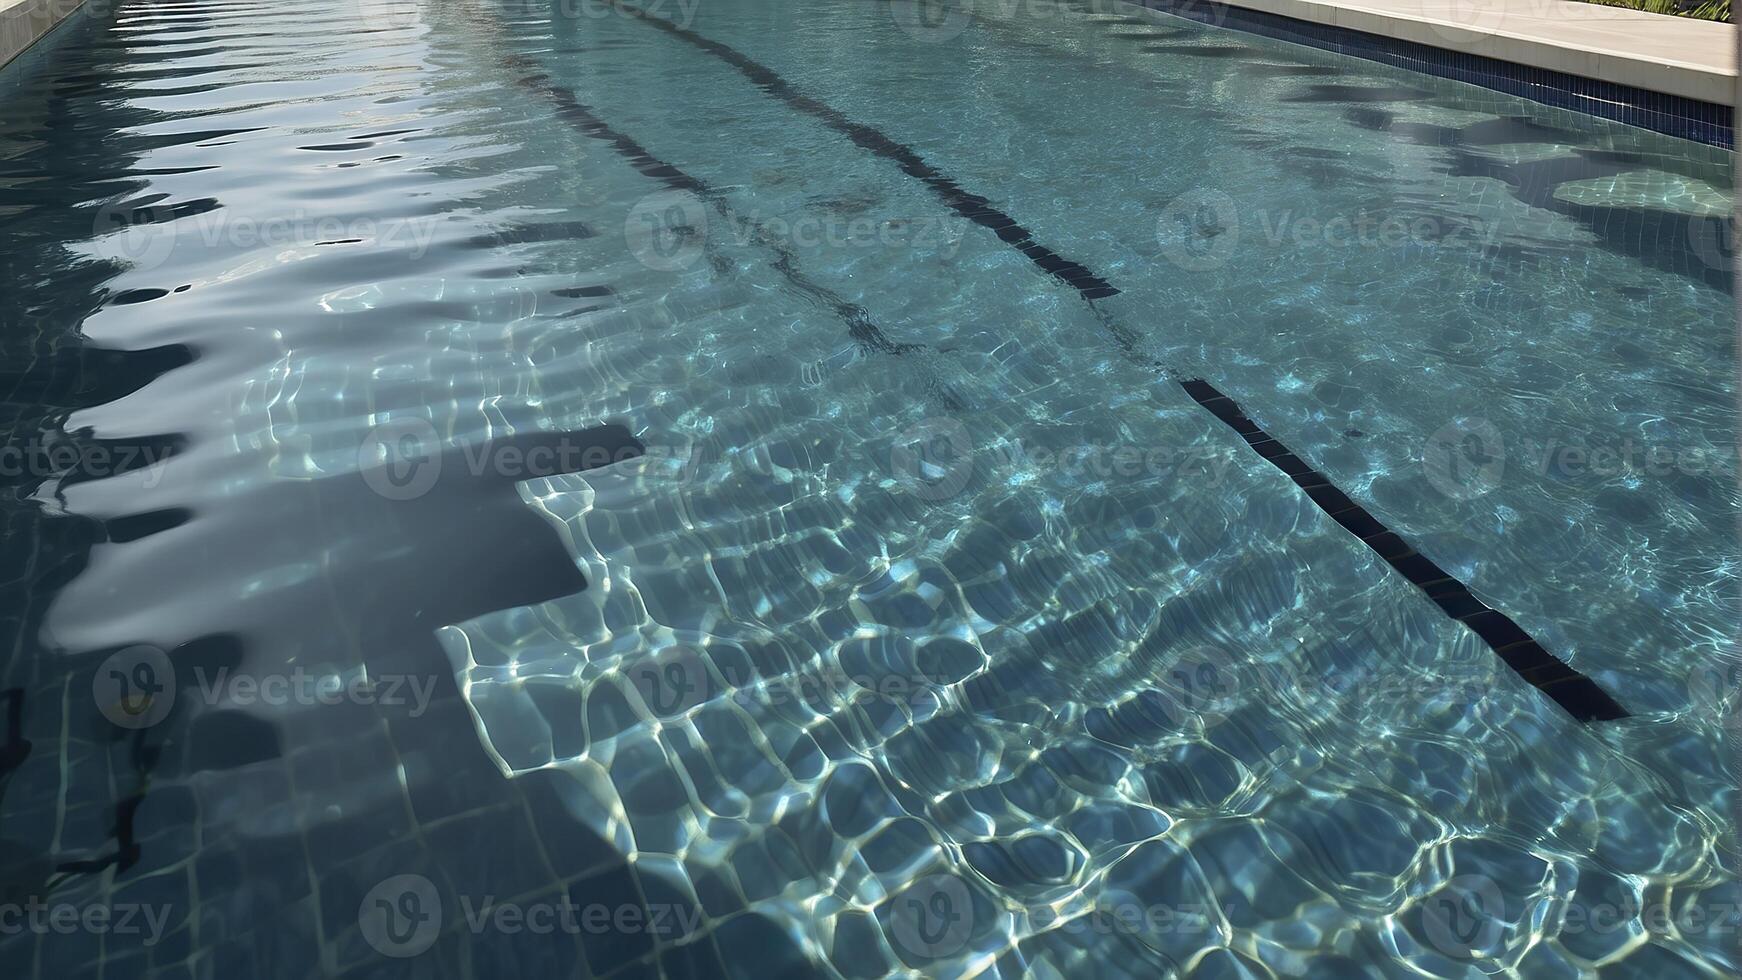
(1672, 115)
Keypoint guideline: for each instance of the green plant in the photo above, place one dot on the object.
(1699, 9)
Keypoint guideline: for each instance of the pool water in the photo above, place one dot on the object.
(906, 614)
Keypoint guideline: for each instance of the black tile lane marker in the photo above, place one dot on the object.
(859, 323)
(973, 207)
(1577, 694)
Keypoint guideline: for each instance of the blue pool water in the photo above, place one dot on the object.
(723, 467)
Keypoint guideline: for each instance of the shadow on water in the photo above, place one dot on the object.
(1697, 247)
(50, 370)
(93, 811)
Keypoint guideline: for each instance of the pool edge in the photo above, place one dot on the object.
(1674, 115)
(23, 23)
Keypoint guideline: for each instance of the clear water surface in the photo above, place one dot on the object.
(937, 629)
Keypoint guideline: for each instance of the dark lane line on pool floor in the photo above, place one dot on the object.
(585, 121)
(1575, 692)
(860, 327)
(975, 208)
(1580, 696)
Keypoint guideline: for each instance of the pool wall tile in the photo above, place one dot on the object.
(1672, 115)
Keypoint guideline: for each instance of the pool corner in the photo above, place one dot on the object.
(24, 22)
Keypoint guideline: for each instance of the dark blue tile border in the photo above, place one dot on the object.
(1672, 115)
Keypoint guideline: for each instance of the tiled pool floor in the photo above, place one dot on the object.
(937, 629)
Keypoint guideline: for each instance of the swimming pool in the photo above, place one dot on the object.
(806, 487)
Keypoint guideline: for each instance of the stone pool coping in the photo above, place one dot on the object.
(1695, 59)
(1675, 75)
(24, 22)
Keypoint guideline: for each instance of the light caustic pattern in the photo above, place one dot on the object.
(906, 673)
(937, 630)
